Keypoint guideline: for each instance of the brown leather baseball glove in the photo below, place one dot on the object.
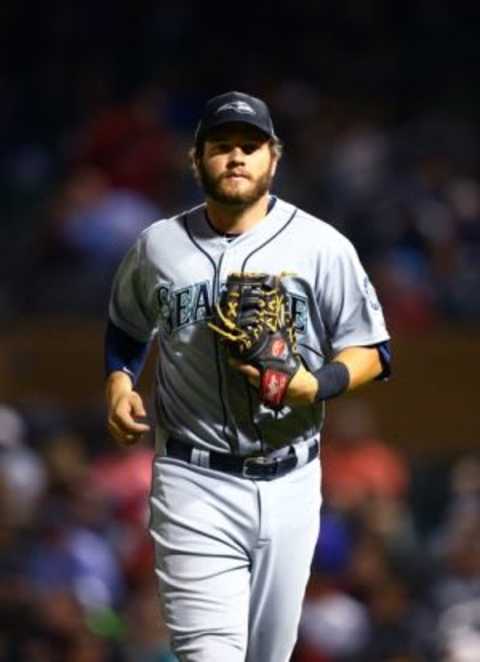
(253, 320)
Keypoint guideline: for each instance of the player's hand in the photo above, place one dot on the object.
(125, 409)
(301, 390)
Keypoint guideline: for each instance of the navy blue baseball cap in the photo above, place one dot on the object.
(234, 107)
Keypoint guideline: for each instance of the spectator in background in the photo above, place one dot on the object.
(148, 638)
(22, 473)
(455, 593)
(360, 605)
(91, 226)
(96, 222)
(123, 480)
(334, 625)
(131, 144)
(357, 463)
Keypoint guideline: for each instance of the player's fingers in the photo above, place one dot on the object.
(126, 431)
(123, 420)
(123, 432)
(130, 426)
(138, 424)
(121, 436)
(302, 389)
(138, 410)
(144, 420)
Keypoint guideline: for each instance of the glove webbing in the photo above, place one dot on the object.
(271, 315)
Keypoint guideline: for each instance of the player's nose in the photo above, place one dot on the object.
(236, 156)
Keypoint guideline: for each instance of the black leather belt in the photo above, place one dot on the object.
(253, 467)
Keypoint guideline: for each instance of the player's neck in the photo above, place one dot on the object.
(236, 220)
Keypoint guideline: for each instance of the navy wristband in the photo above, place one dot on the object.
(333, 379)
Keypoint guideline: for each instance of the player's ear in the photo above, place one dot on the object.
(276, 149)
(274, 165)
(194, 158)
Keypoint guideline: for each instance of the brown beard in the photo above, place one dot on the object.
(212, 188)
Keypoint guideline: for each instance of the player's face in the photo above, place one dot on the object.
(237, 165)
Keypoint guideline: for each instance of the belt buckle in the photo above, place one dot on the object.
(270, 467)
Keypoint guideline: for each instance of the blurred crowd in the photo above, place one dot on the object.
(378, 120)
(396, 571)
(76, 566)
(379, 116)
(397, 564)
(407, 196)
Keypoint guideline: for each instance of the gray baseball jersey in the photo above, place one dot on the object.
(168, 282)
(232, 554)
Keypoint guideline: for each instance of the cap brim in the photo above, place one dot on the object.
(215, 124)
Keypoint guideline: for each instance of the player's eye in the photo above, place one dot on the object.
(222, 147)
(250, 147)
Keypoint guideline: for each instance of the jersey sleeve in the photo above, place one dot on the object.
(351, 310)
(128, 307)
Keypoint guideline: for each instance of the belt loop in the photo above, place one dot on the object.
(302, 452)
(200, 457)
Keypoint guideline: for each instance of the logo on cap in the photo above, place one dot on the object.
(236, 106)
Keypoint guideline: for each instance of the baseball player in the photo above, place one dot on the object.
(236, 484)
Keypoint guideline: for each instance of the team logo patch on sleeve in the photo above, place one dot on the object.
(371, 294)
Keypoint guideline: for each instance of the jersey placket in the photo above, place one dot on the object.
(222, 272)
(231, 261)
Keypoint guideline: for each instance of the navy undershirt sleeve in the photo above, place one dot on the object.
(124, 353)
(385, 353)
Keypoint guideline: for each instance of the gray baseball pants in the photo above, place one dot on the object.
(232, 557)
